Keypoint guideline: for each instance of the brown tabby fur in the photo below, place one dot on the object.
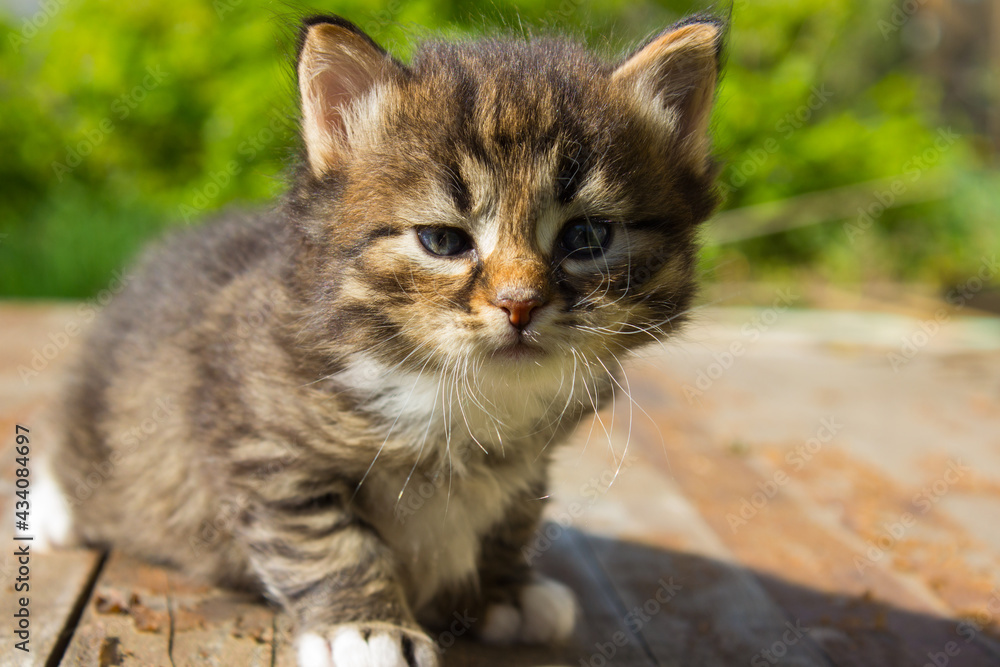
(260, 403)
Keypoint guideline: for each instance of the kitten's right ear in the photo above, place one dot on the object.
(338, 65)
(674, 76)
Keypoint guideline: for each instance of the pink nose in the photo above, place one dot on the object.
(518, 304)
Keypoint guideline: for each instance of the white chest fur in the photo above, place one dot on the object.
(435, 525)
(429, 410)
(435, 521)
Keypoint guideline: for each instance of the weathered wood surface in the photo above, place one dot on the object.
(56, 584)
(785, 492)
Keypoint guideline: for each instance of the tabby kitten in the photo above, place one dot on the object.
(471, 243)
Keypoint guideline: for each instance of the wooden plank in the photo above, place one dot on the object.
(38, 341)
(902, 429)
(565, 558)
(666, 517)
(57, 582)
(601, 609)
(680, 590)
(218, 627)
(562, 558)
(284, 641)
(127, 619)
(807, 563)
(143, 614)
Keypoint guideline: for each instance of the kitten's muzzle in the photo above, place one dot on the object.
(519, 304)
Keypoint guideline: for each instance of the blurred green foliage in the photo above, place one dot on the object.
(120, 119)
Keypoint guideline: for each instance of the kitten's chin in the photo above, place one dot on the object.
(518, 352)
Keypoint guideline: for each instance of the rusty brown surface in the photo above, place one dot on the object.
(868, 544)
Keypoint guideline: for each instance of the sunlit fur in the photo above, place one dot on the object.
(535, 134)
(325, 369)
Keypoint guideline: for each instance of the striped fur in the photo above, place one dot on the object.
(354, 425)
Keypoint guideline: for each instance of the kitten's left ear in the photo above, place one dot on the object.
(675, 76)
(338, 66)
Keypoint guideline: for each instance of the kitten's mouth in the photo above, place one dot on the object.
(518, 351)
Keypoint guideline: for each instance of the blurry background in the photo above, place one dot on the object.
(860, 137)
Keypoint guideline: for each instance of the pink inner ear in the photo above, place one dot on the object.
(336, 68)
(681, 67)
(327, 88)
(340, 82)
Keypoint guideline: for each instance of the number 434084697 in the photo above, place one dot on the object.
(22, 449)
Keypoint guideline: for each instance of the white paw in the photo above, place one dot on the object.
(367, 645)
(549, 610)
(547, 615)
(502, 624)
(50, 514)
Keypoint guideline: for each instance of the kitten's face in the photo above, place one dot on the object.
(507, 204)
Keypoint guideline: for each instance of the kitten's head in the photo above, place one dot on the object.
(514, 203)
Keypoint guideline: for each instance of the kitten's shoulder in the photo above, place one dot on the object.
(176, 281)
(213, 254)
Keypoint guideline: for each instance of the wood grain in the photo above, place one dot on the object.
(127, 620)
(641, 519)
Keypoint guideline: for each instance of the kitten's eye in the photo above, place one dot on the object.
(444, 241)
(586, 238)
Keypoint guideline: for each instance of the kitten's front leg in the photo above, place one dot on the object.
(520, 605)
(524, 606)
(331, 570)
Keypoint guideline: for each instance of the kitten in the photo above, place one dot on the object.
(471, 243)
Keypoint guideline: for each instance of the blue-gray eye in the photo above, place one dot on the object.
(444, 241)
(584, 239)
